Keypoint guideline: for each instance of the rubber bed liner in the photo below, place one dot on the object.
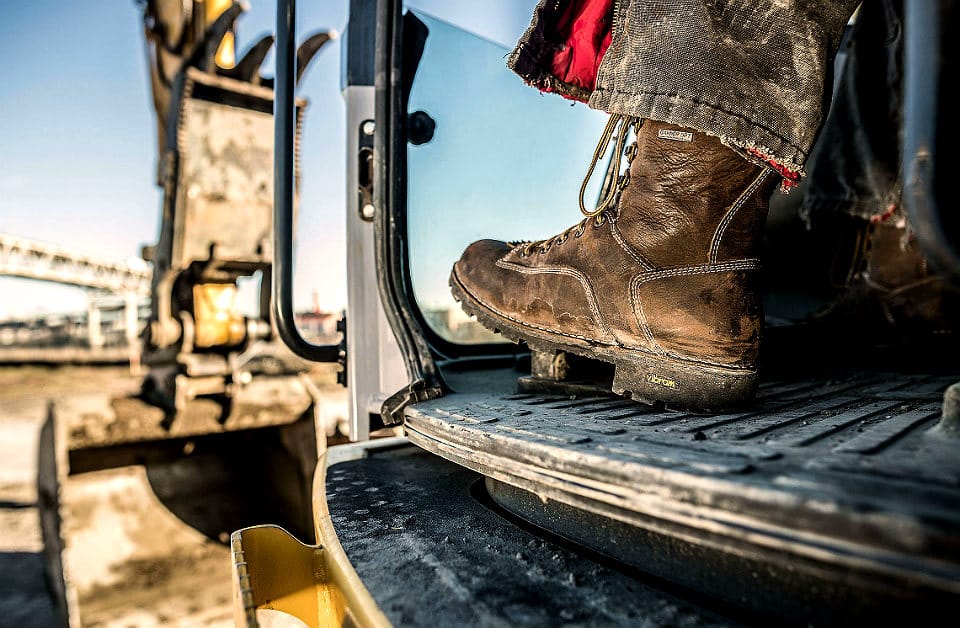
(830, 498)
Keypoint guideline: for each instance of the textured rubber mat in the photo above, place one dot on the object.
(843, 478)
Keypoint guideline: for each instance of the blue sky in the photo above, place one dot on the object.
(78, 141)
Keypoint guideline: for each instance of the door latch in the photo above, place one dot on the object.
(365, 170)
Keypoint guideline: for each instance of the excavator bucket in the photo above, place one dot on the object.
(136, 522)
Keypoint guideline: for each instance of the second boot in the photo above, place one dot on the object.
(660, 281)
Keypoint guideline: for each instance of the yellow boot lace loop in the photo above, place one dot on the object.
(611, 133)
(616, 131)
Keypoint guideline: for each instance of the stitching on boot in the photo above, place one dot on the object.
(658, 352)
(633, 253)
(642, 321)
(701, 269)
(677, 356)
(728, 217)
(570, 272)
(530, 325)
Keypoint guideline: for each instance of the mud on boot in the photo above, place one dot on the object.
(659, 280)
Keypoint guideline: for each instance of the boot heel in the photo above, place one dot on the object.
(682, 387)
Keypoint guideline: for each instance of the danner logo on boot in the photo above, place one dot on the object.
(671, 134)
(662, 381)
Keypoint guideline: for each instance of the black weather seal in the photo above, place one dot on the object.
(390, 196)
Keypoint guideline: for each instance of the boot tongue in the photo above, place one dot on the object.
(656, 136)
(669, 154)
(681, 184)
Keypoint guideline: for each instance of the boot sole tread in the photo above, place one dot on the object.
(643, 376)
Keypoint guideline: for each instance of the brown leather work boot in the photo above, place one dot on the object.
(662, 285)
(891, 297)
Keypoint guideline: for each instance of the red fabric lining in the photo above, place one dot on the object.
(582, 33)
(885, 216)
(791, 178)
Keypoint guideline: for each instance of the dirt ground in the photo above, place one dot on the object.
(24, 395)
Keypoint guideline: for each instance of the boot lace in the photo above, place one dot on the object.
(616, 131)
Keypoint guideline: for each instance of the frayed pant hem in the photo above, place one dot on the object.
(753, 141)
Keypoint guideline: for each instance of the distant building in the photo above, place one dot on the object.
(107, 329)
(319, 327)
(454, 325)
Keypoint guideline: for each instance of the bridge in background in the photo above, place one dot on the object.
(20, 257)
(106, 281)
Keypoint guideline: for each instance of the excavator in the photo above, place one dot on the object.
(139, 492)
